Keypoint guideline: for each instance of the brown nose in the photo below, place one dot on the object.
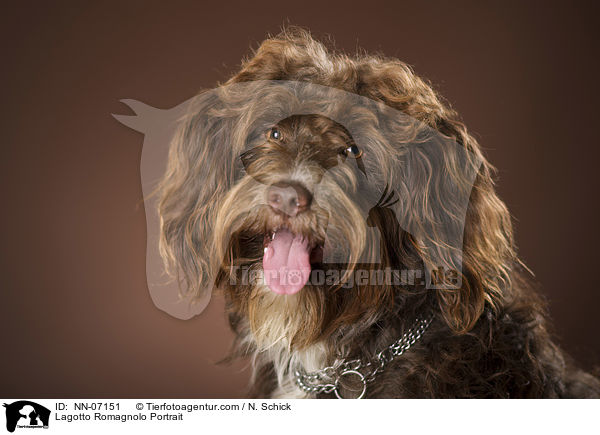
(288, 197)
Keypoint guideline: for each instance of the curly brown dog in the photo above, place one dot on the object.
(321, 193)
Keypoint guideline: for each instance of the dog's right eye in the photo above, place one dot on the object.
(274, 134)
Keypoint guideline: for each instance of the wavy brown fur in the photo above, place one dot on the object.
(488, 339)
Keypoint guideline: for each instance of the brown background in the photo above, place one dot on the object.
(76, 317)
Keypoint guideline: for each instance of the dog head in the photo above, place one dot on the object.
(308, 162)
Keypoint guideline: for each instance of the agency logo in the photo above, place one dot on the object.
(26, 414)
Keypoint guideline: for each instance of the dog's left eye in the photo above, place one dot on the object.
(353, 151)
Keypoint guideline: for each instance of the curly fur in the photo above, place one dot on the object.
(489, 338)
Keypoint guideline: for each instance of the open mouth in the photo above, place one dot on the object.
(287, 260)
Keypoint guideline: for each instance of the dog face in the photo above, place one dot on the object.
(297, 184)
(308, 162)
(294, 203)
(303, 199)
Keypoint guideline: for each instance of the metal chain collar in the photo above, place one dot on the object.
(327, 380)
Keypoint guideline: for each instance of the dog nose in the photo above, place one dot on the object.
(288, 197)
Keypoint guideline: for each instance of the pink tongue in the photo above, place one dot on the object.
(286, 264)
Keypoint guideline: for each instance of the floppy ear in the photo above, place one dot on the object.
(488, 254)
(458, 226)
(200, 171)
